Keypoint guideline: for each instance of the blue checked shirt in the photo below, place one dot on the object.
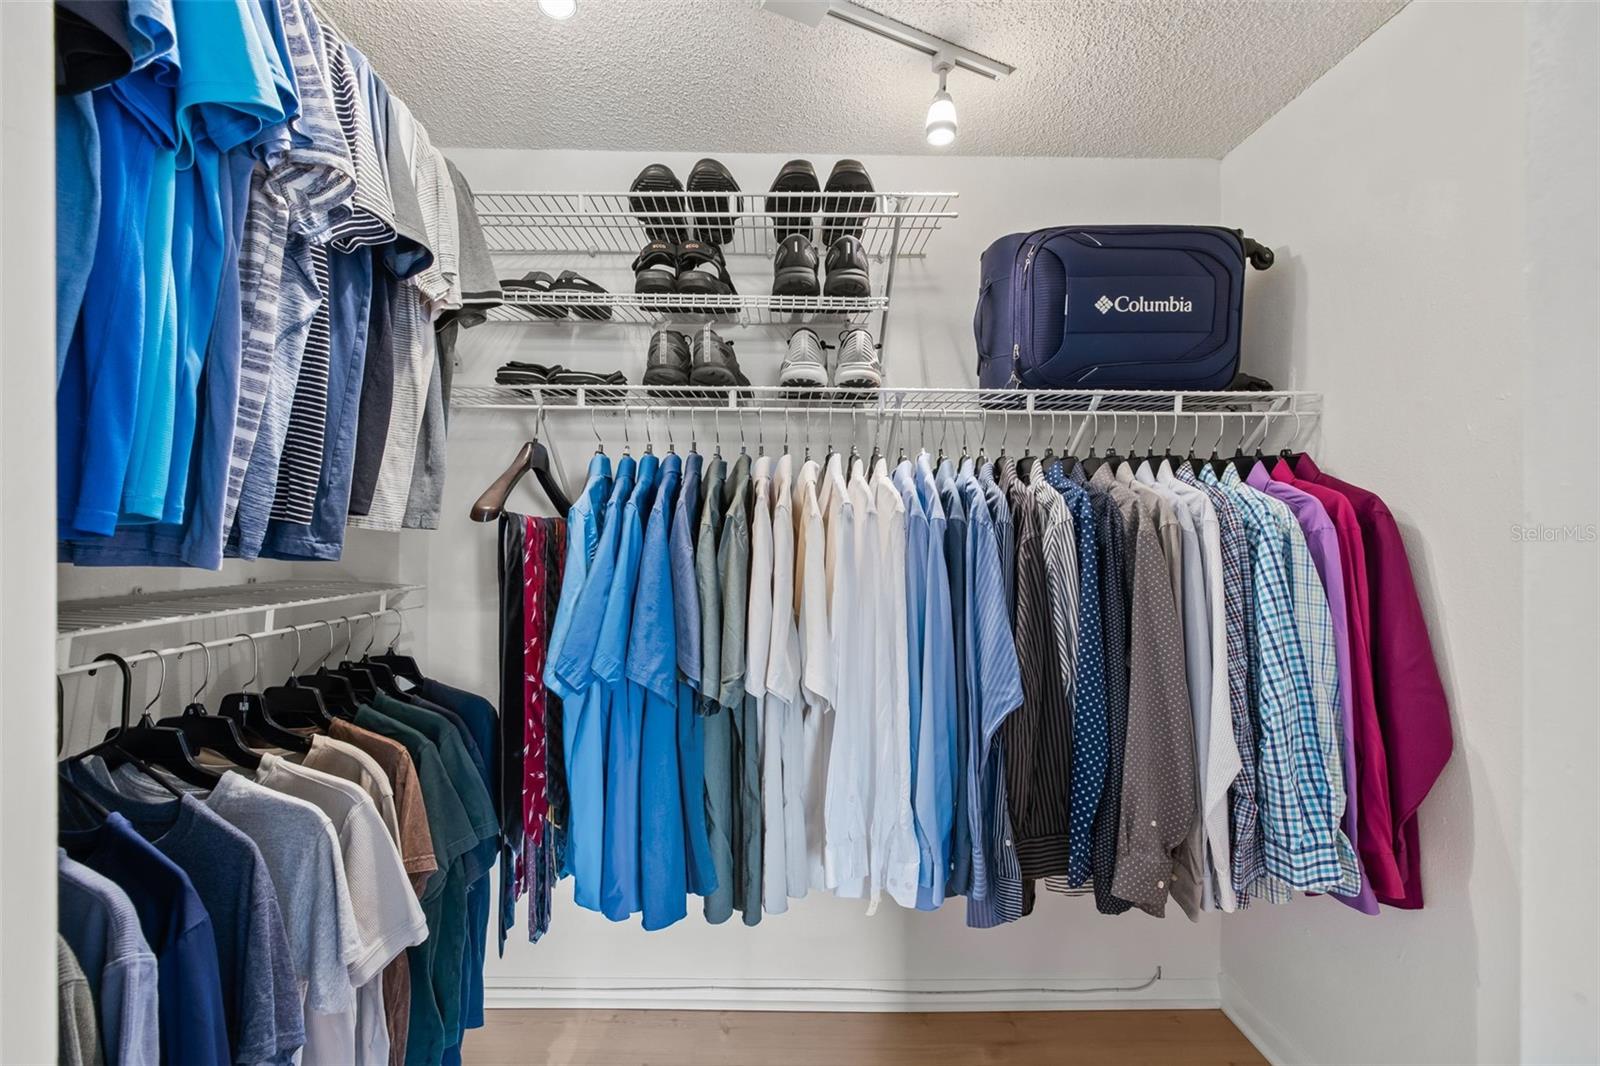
(1300, 828)
(1089, 688)
(1238, 604)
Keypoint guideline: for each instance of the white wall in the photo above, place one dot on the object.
(822, 942)
(27, 521)
(1395, 191)
(1561, 579)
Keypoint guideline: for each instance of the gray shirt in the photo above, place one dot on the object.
(79, 1040)
(733, 566)
(707, 580)
(1158, 804)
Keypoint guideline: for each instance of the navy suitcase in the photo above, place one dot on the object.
(1113, 307)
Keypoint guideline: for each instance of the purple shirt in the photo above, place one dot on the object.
(1411, 703)
(1323, 542)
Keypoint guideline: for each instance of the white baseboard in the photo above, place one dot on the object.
(790, 995)
(1274, 1045)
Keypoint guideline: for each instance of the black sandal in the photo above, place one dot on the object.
(709, 175)
(656, 268)
(593, 384)
(655, 179)
(534, 281)
(572, 281)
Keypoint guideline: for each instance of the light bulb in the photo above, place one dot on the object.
(941, 124)
(559, 9)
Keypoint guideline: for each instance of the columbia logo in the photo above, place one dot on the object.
(1144, 305)
(1103, 304)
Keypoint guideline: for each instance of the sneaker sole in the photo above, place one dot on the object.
(849, 282)
(713, 377)
(861, 378)
(804, 378)
(709, 175)
(796, 281)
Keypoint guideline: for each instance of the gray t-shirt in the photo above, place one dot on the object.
(260, 991)
(79, 1040)
(102, 928)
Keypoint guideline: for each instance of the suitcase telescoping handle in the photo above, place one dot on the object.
(1260, 255)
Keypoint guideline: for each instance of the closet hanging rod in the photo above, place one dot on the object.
(239, 638)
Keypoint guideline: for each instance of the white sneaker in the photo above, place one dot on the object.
(858, 366)
(804, 366)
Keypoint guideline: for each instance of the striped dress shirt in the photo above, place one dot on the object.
(994, 696)
(1036, 740)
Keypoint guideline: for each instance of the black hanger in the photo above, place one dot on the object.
(145, 742)
(338, 694)
(253, 714)
(209, 731)
(402, 665)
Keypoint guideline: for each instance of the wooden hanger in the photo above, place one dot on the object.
(533, 457)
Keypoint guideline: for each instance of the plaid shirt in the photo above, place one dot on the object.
(1299, 821)
(1238, 603)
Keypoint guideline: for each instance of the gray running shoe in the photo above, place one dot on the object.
(667, 362)
(805, 366)
(858, 366)
(714, 363)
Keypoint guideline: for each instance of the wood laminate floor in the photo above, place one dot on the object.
(761, 1038)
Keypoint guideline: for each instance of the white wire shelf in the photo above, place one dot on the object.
(526, 307)
(909, 403)
(613, 223)
(116, 614)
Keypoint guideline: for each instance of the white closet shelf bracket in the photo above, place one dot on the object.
(123, 614)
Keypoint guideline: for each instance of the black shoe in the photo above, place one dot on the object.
(794, 268)
(572, 281)
(795, 176)
(667, 362)
(709, 175)
(847, 268)
(714, 364)
(843, 213)
(534, 281)
(656, 268)
(656, 179)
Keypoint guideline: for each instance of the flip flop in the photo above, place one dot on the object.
(572, 281)
(534, 281)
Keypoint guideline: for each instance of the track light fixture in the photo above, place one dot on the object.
(941, 123)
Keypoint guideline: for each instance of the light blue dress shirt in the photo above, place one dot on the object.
(939, 679)
(925, 815)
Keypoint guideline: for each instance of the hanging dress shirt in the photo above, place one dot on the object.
(718, 737)
(939, 683)
(962, 740)
(701, 872)
(784, 667)
(921, 725)
(733, 562)
(813, 575)
(894, 840)
(849, 627)
(758, 652)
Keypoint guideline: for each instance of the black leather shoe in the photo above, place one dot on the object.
(794, 268)
(847, 268)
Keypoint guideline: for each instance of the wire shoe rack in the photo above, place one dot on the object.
(891, 224)
(525, 307)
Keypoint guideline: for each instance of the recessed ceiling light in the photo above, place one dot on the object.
(559, 9)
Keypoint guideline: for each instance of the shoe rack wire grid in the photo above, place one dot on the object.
(1196, 417)
(892, 227)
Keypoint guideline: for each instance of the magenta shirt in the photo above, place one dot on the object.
(1372, 762)
(1412, 710)
(1323, 543)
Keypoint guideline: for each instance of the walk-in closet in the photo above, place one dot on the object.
(789, 532)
